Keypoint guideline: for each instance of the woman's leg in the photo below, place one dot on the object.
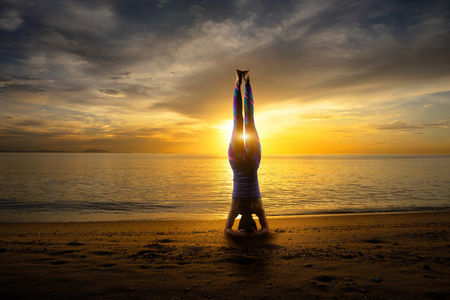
(252, 143)
(236, 150)
(236, 147)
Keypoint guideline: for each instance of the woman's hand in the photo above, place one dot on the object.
(232, 233)
(242, 233)
(262, 232)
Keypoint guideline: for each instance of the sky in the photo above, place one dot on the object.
(337, 77)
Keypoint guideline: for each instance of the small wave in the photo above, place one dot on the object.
(363, 211)
(90, 206)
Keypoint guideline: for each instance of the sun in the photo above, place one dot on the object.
(224, 130)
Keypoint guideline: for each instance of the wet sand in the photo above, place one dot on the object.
(372, 256)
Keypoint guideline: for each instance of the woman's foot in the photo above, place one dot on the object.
(246, 76)
(239, 77)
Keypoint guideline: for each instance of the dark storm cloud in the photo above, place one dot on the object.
(343, 48)
(15, 87)
(289, 37)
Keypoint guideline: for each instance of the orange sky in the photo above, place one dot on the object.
(159, 76)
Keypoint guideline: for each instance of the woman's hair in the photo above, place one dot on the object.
(248, 224)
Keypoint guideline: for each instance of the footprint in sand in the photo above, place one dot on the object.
(165, 241)
(240, 260)
(148, 253)
(374, 241)
(271, 247)
(58, 262)
(108, 265)
(75, 243)
(325, 278)
(193, 249)
(102, 253)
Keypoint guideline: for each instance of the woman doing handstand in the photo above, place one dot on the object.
(244, 154)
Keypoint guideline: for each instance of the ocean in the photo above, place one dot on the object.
(67, 187)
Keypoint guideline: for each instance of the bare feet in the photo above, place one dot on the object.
(239, 77)
(246, 76)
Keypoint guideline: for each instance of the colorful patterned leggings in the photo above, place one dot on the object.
(244, 147)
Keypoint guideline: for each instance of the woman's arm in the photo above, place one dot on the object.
(261, 213)
(232, 214)
(260, 232)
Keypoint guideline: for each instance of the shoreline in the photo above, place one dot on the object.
(372, 256)
(198, 218)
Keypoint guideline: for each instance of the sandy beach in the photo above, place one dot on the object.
(371, 256)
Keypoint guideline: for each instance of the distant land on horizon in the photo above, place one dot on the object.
(82, 151)
(92, 150)
(51, 151)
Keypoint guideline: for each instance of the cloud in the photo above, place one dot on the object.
(397, 125)
(330, 46)
(121, 76)
(91, 21)
(10, 20)
(196, 11)
(31, 123)
(316, 116)
(111, 93)
(402, 126)
(438, 124)
(136, 60)
(20, 87)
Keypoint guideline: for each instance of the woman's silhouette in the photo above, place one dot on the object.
(244, 154)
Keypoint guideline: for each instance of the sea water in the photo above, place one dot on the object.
(123, 186)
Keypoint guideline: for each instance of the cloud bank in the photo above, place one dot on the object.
(158, 75)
